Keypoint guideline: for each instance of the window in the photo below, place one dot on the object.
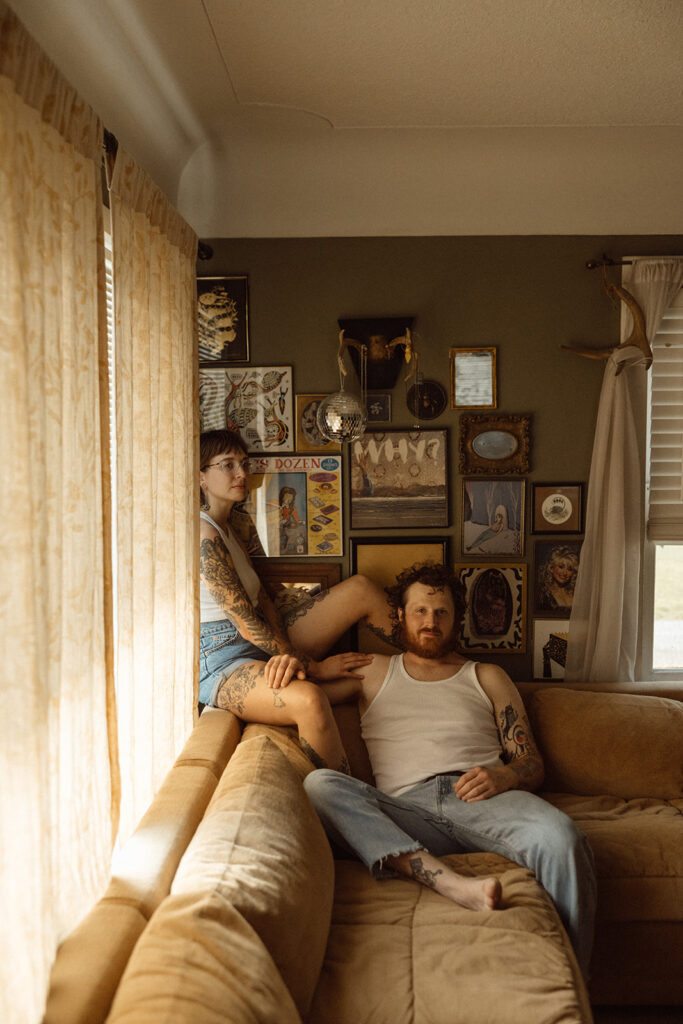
(663, 597)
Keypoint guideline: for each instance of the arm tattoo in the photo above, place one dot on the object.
(422, 874)
(235, 689)
(519, 751)
(218, 572)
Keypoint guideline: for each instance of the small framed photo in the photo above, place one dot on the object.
(492, 517)
(495, 619)
(399, 479)
(382, 560)
(379, 406)
(557, 508)
(223, 320)
(556, 564)
(473, 378)
(308, 436)
(550, 649)
(256, 401)
(495, 445)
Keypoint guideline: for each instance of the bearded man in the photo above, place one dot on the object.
(455, 765)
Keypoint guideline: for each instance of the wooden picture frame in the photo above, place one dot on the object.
(308, 436)
(379, 406)
(382, 560)
(492, 520)
(473, 378)
(495, 445)
(295, 503)
(557, 508)
(550, 649)
(398, 479)
(223, 320)
(256, 401)
(495, 619)
(556, 564)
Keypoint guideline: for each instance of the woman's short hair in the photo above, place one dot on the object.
(219, 442)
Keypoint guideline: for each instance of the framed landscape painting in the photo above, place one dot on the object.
(399, 479)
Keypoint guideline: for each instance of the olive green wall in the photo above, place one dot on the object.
(525, 295)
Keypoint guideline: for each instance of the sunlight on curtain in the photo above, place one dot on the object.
(157, 496)
(54, 759)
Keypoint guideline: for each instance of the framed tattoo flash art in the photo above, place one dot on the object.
(492, 517)
(399, 479)
(382, 560)
(550, 649)
(308, 436)
(295, 503)
(557, 508)
(223, 320)
(556, 565)
(256, 401)
(496, 602)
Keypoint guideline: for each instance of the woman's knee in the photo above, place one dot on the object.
(307, 700)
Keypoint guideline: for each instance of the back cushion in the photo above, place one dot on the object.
(262, 849)
(611, 744)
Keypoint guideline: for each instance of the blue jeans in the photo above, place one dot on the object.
(221, 650)
(516, 824)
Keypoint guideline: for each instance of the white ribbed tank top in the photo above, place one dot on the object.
(415, 729)
(209, 609)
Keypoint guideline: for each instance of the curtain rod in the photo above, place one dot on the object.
(606, 261)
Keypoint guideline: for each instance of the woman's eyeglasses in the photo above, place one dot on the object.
(231, 465)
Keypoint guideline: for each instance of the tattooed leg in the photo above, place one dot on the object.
(471, 893)
(302, 703)
(321, 623)
(302, 607)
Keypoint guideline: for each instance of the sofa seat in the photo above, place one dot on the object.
(405, 946)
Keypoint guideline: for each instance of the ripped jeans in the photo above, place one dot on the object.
(516, 824)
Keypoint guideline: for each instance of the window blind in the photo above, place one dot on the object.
(665, 518)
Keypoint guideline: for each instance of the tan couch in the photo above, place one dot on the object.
(227, 906)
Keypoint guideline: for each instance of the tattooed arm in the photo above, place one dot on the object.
(522, 765)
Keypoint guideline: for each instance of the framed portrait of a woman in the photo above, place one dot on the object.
(556, 565)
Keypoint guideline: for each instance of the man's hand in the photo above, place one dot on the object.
(482, 783)
(339, 666)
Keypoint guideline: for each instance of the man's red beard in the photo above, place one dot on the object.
(426, 645)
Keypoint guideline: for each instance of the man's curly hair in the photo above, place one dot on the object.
(439, 577)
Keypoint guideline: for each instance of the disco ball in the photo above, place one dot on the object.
(341, 417)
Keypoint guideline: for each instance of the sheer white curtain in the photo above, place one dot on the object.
(157, 482)
(604, 624)
(56, 684)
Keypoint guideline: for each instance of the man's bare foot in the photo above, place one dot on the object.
(471, 893)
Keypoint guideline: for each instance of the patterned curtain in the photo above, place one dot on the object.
(56, 688)
(157, 482)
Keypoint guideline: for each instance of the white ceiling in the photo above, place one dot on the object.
(304, 117)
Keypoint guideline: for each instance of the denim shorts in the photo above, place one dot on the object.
(221, 651)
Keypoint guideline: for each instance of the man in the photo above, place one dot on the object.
(455, 765)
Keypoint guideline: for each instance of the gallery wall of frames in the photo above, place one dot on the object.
(475, 454)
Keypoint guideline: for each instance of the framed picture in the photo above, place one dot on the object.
(556, 564)
(399, 479)
(426, 399)
(495, 445)
(223, 320)
(550, 649)
(492, 517)
(254, 400)
(557, 508)
(308, 436)
(473, 378)
(496, 602)
(382, 560)
(295, 503)
(292, 583)
(379, 407)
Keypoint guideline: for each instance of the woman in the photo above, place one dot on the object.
(252, 663)
(558, 579)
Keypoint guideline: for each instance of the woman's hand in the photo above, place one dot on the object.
(339, 666)
(282, 668)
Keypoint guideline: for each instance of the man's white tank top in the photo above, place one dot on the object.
(209, 609)
(415, 729)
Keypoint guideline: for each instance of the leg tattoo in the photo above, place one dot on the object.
(235, 689)
(311, 754)
(387, 637)
(277, 700)
(421, 874)
(307, 602)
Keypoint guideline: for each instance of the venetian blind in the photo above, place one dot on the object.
(665, 519)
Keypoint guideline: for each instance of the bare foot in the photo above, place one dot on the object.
(471, 893)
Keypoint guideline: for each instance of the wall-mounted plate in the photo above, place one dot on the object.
(427, 399)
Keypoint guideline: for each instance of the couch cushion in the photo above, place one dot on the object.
(262, 849)
(200, 962)
(400, 953)
(614, 744)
